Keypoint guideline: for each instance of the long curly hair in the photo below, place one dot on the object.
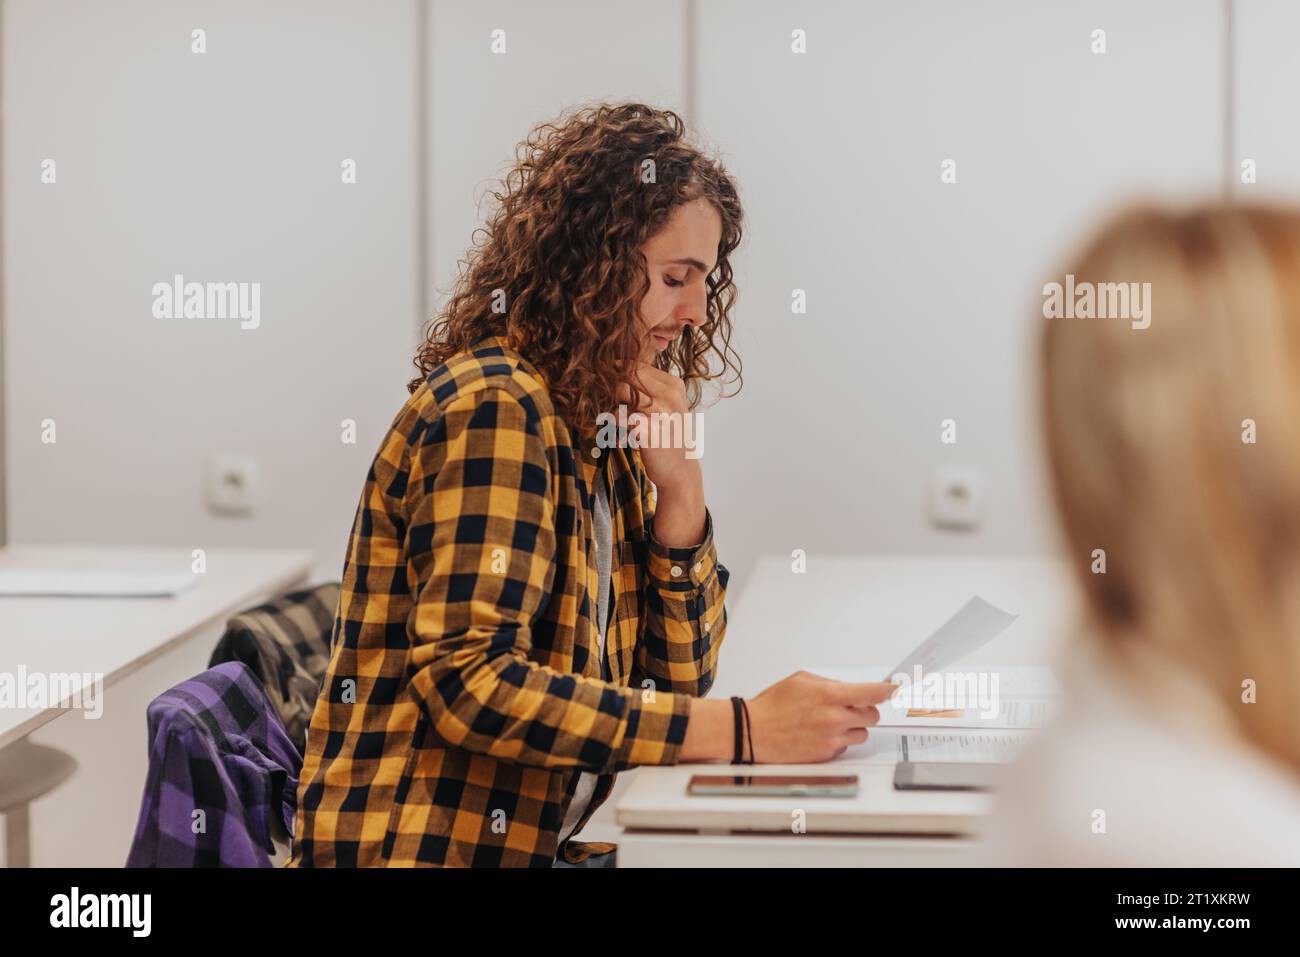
(557, 269)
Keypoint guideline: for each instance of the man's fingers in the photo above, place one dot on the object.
(624, 394)
(864, 717)
(860, 695)
(657, 382)
(656, 375)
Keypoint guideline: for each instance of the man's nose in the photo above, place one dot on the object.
(696, 311)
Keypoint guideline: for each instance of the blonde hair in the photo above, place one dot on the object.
(1146, 433)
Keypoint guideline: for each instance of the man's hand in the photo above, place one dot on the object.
(679, 512)
(661, 393)
(802, 719)
(806, 718)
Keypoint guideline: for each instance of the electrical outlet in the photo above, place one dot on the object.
(958, 497)
(233, 484)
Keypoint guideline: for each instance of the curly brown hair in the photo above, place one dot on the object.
(563, 247)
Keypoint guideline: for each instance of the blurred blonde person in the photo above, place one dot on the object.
(1175, 450)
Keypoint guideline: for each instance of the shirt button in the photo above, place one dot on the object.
(595, 451)
(699, 567)
(676, 571)
(706, 627)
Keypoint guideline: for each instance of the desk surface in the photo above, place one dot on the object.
(116, 636)
(658, 801)
(846, 612)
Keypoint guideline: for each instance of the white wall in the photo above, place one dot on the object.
(1267, 76)
(225, 166)
(221, 166)
(922, 295)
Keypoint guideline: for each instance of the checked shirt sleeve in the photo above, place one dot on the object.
(483, 553)
(684, 611)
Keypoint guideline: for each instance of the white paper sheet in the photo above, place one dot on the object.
(991, 747)
(1012, 698)
(1012, 713)
(975, 625)
(1029, 696)
(887, 746)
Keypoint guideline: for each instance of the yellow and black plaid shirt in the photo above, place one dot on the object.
(464, 693)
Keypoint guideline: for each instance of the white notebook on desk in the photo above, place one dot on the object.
(892, 745)
(93, 583)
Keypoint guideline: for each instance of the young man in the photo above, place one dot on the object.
(527, 609)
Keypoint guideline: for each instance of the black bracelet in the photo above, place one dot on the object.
(738, 746)
(749, 731)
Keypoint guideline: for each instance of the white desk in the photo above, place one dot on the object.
(845, 611)
(142, 647)
(118, 636)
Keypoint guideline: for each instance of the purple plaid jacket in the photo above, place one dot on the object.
(221, 766)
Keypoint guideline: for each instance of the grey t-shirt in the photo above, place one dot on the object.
(604, 561)
(604, 535)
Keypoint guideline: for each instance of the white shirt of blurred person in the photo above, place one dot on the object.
(1142, 775)
(1174, 452)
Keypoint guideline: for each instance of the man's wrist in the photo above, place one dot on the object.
(679, 520)
(710, 731)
